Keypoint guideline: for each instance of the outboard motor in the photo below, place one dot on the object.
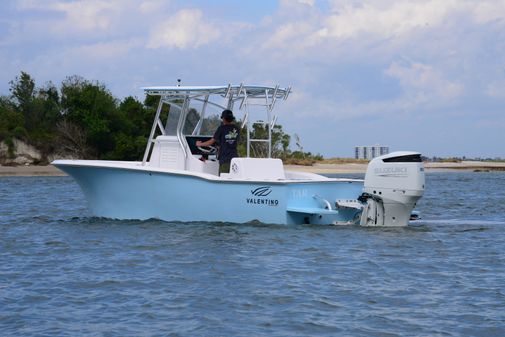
(393, 184)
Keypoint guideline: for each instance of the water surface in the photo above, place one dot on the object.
(65, 273)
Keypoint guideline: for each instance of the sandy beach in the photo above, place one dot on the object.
(30, 170)
(430, 167)
(50, 170)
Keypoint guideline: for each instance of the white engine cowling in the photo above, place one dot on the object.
(393, 184)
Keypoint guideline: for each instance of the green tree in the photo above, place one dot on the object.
(44, 116)
(280, 141)
(84, 119)
(191, 121)
(90, 106)
(131, 126)
(49, 99)
(40, 110)
(11, 124)
(22, 89)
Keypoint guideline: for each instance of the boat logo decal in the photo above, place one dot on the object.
(391, 171)
(234, 167)
(260, 194)
(262, 191)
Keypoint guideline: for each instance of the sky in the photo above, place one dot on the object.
(425, 76)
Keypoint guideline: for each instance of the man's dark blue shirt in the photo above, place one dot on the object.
(227, 136)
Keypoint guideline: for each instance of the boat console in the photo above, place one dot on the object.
(198, 150)
(169, 153)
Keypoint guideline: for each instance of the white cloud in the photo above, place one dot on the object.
(486, 11)
(102, 50)
(351, 60)
(397, 19)
(79, 16)
(307, 105)
(307, 2)
(96, 19)
(186, 29)
(353, 26)
(87, 15)
(423, 80)
(289, 33)
(152, 6)
(291, 3)
(298, 27)
(496, 89)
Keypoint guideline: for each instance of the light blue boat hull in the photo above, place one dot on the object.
(120, 193)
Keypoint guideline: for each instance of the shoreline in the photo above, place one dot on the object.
(320, 168)
(30, 171)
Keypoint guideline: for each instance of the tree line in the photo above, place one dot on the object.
(83, 119)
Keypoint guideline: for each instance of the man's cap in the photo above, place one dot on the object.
(227, 114)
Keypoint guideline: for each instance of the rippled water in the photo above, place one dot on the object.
(64, 273)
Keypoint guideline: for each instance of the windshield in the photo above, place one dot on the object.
(174, 112)
(196, 125)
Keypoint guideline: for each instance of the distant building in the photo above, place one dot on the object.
(370, 152)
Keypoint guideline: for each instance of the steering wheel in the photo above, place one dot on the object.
(207, 149)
